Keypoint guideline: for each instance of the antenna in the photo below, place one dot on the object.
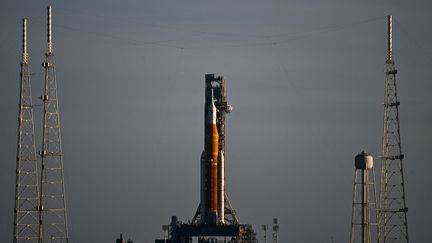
(389, 39)
(53, 213)
(49, 32)
(26, 215)
(24, 43)
(393, 225)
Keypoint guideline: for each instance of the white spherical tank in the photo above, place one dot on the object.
(363, 161)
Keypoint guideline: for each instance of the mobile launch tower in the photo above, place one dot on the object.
(215, 217)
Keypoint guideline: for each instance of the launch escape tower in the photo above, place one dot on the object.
(393, 226)
(215, 217)
(364, 208)
(26, 215)
(53, 216)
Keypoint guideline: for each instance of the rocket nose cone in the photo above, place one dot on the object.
(213, 113)
(212, 110)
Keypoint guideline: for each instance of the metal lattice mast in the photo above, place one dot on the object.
(393, 225)
(364, 208)
(26, 215)
(53, 216)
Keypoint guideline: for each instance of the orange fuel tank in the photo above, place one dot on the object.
(214, 163)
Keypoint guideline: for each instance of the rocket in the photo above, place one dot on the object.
(212, 183)
(211, 175)
(209, 162)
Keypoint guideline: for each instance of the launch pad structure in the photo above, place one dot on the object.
(215, 217)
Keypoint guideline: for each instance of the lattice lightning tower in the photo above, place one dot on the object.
(26, 215)
(393, 226)
(53, 216)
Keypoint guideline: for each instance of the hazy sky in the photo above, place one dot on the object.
(305, 79)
